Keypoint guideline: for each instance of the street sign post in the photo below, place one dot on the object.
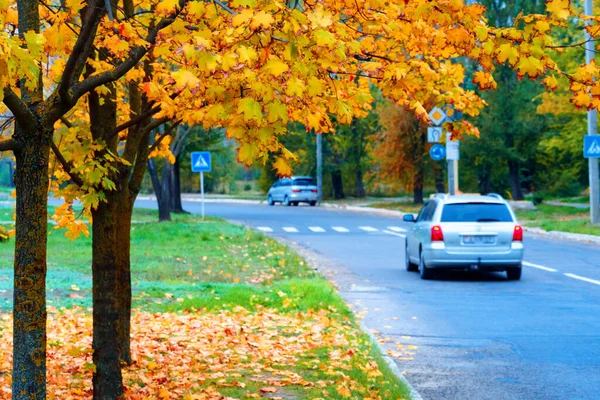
(434, 134)
(452, 148)
(591, 146)
(437, 152)
(201, 162)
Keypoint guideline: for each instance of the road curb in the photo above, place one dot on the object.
(578, 237)
(414, 395)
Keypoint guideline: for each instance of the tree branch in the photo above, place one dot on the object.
(80, 49)
(181, 141)
(66, 165)
(137, 54)
(164, 135)
(22, 113)
(10, 144)
(136, 120)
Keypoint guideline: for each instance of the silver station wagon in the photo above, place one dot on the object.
(294, 190)
(465, 232)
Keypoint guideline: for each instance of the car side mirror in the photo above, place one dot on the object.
(408, 218)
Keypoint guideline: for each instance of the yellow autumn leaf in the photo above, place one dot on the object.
(262, 19)
(250, 109)
(243, 17)
(530, 66)
(344, 392)
(558, 8)
(282, 166)
(550, 82)
(167, 6)
(184, 78)
(276, 67)
(248, 153)
(507, 52)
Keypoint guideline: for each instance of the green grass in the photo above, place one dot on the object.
(407, 207)
(208, 266)
(545, 212)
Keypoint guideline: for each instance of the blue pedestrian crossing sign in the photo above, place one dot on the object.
(437, 152)
(201, 161)
(591, 146)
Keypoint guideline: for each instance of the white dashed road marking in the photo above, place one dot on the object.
(316, 229)
(340, 229)
(528, 264)
(396, 229)
(582, 278)
(368, 229)
(264, 229)
(395, 234)
(290, 229)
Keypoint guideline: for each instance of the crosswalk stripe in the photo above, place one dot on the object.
(340, 229)
(396, 229)
(290, 229)
(368, 228)
(264, 229)
(316, 229)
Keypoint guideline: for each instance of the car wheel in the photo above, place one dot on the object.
(425, 272)
(410, 267)
(313, 203)
(286, 201)
(270, 200)
(295, 203)
(513, 273)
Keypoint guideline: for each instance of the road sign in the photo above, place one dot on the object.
(437, 152)
(201, 161)
(434, 134)
(591, 146)
(437, 116)
(452, 148)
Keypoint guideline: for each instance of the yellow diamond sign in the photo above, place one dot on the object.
(437, 116)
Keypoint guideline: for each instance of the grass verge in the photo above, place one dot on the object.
(219, 311)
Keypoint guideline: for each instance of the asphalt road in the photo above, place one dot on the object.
(471, 336)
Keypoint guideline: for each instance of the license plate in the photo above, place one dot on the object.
(479, 239)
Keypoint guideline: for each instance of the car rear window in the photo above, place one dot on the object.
(303, 182)
(476, 212)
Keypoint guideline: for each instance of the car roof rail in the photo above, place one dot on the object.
(438, 196)
(496, 195)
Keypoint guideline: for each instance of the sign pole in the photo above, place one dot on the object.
(202, 192)
(592, 128)
(451, 177)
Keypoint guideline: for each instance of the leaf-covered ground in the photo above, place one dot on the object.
(220, 312)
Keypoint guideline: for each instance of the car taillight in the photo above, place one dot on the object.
(296, 190)
(315, 191)
(436, 234)
(518, 234)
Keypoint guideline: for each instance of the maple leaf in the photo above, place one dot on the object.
(247, 153)
(250, 108)
(508, 52)
(167, 6)
(531, 66)
(550, 82)
(581, 99)
(484, 80)
(282, 166)
(558, 8)
(184, 78)
(276, 67)
(262, 19)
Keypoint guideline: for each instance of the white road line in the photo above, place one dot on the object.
(290, 229)
(396, 229)
(583, 278)
(395, 234)
(368, 228)
(264, 229)
(528, 264)
(316, 229)
(340, 229)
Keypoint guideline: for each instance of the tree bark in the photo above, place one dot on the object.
(360, 186)
(515, 180)
(123, 260)
(176, 205)
(418, 178)
(337, 184)
(29, 301)
(440, 185)
(107, 378)
(161, 186)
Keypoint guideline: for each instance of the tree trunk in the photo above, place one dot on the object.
(176, 205)
(515, 180)
(29, 301)
(484, 176)
(440, 185)
(161, 190)
(123, 246)
(337, 184)
(418, 184)
(360, 186)
(107, 379)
